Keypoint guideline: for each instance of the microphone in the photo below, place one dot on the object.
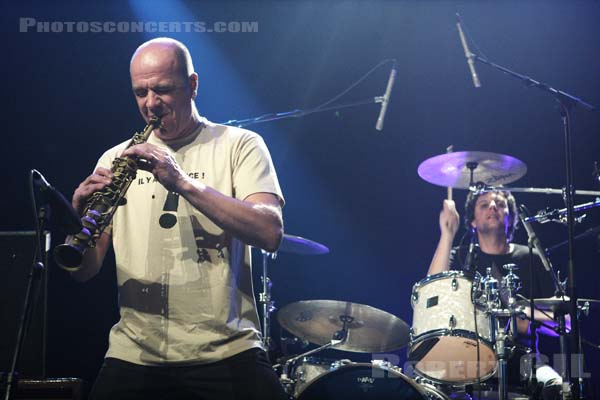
(535, 241)
(468, 53)
(66, 217)
(386, 97)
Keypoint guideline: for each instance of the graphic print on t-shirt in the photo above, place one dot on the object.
(168, 220)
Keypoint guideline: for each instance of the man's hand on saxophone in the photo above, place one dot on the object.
(98, 180)
(93, 257)
(160, 163)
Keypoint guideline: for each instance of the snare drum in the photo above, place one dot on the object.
(447, 329)
(367, 381)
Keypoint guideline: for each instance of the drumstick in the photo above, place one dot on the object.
(449, 149)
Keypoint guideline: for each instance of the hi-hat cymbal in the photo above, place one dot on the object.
(300, 245)
(369, 329)
(452, 169)
(552, 303)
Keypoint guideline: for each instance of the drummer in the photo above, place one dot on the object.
(492, 216)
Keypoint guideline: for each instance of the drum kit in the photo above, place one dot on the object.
(462, 329)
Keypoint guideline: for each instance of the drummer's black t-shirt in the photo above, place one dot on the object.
(519, 255)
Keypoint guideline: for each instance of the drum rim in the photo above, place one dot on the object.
(453, 273)
(468, 335)
(445, 274)
(447, 332)
(393, 370)
(455, 383)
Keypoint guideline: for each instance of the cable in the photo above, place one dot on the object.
(392, 60)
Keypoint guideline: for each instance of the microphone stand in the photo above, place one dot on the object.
(533, 325)
(31, 295)
(586, 233)
(240, 123)
(567, 102)
(472, 252)
(302, 113)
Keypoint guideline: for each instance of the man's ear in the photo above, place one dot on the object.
(194, 84)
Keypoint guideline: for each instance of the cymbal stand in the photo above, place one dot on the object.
(268, 305)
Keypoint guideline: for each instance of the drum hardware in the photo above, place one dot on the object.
(559, 215)
(285, 378)
(550, 191)
(557, 303)
(264, 298)
(511, 284)
(452, 323)
(560, 307)
(290, 244)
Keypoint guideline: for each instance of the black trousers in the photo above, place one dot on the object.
(247, 375)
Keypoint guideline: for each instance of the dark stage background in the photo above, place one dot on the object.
(67, 98)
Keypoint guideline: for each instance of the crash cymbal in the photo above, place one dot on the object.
(300, 245)
(369, 329)
(454, 169)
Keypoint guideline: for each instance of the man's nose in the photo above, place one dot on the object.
(493, 204)
(153, 101)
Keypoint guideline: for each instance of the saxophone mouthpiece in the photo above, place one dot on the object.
(155, 121)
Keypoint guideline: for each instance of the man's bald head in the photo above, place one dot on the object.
(165, 47)
(165, 85)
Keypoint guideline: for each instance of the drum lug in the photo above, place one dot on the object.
(415, 296)
(454, 284)
(452, 322)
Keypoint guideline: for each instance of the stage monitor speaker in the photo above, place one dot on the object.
(51, 389)
(16, 258)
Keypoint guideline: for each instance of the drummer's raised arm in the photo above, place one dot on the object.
(449, 223)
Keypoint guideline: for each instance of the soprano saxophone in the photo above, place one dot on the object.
(101, 205)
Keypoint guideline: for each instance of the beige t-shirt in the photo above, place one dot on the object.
(185, 287)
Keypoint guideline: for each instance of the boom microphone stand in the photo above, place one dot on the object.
(567, 102)
(383, 100)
